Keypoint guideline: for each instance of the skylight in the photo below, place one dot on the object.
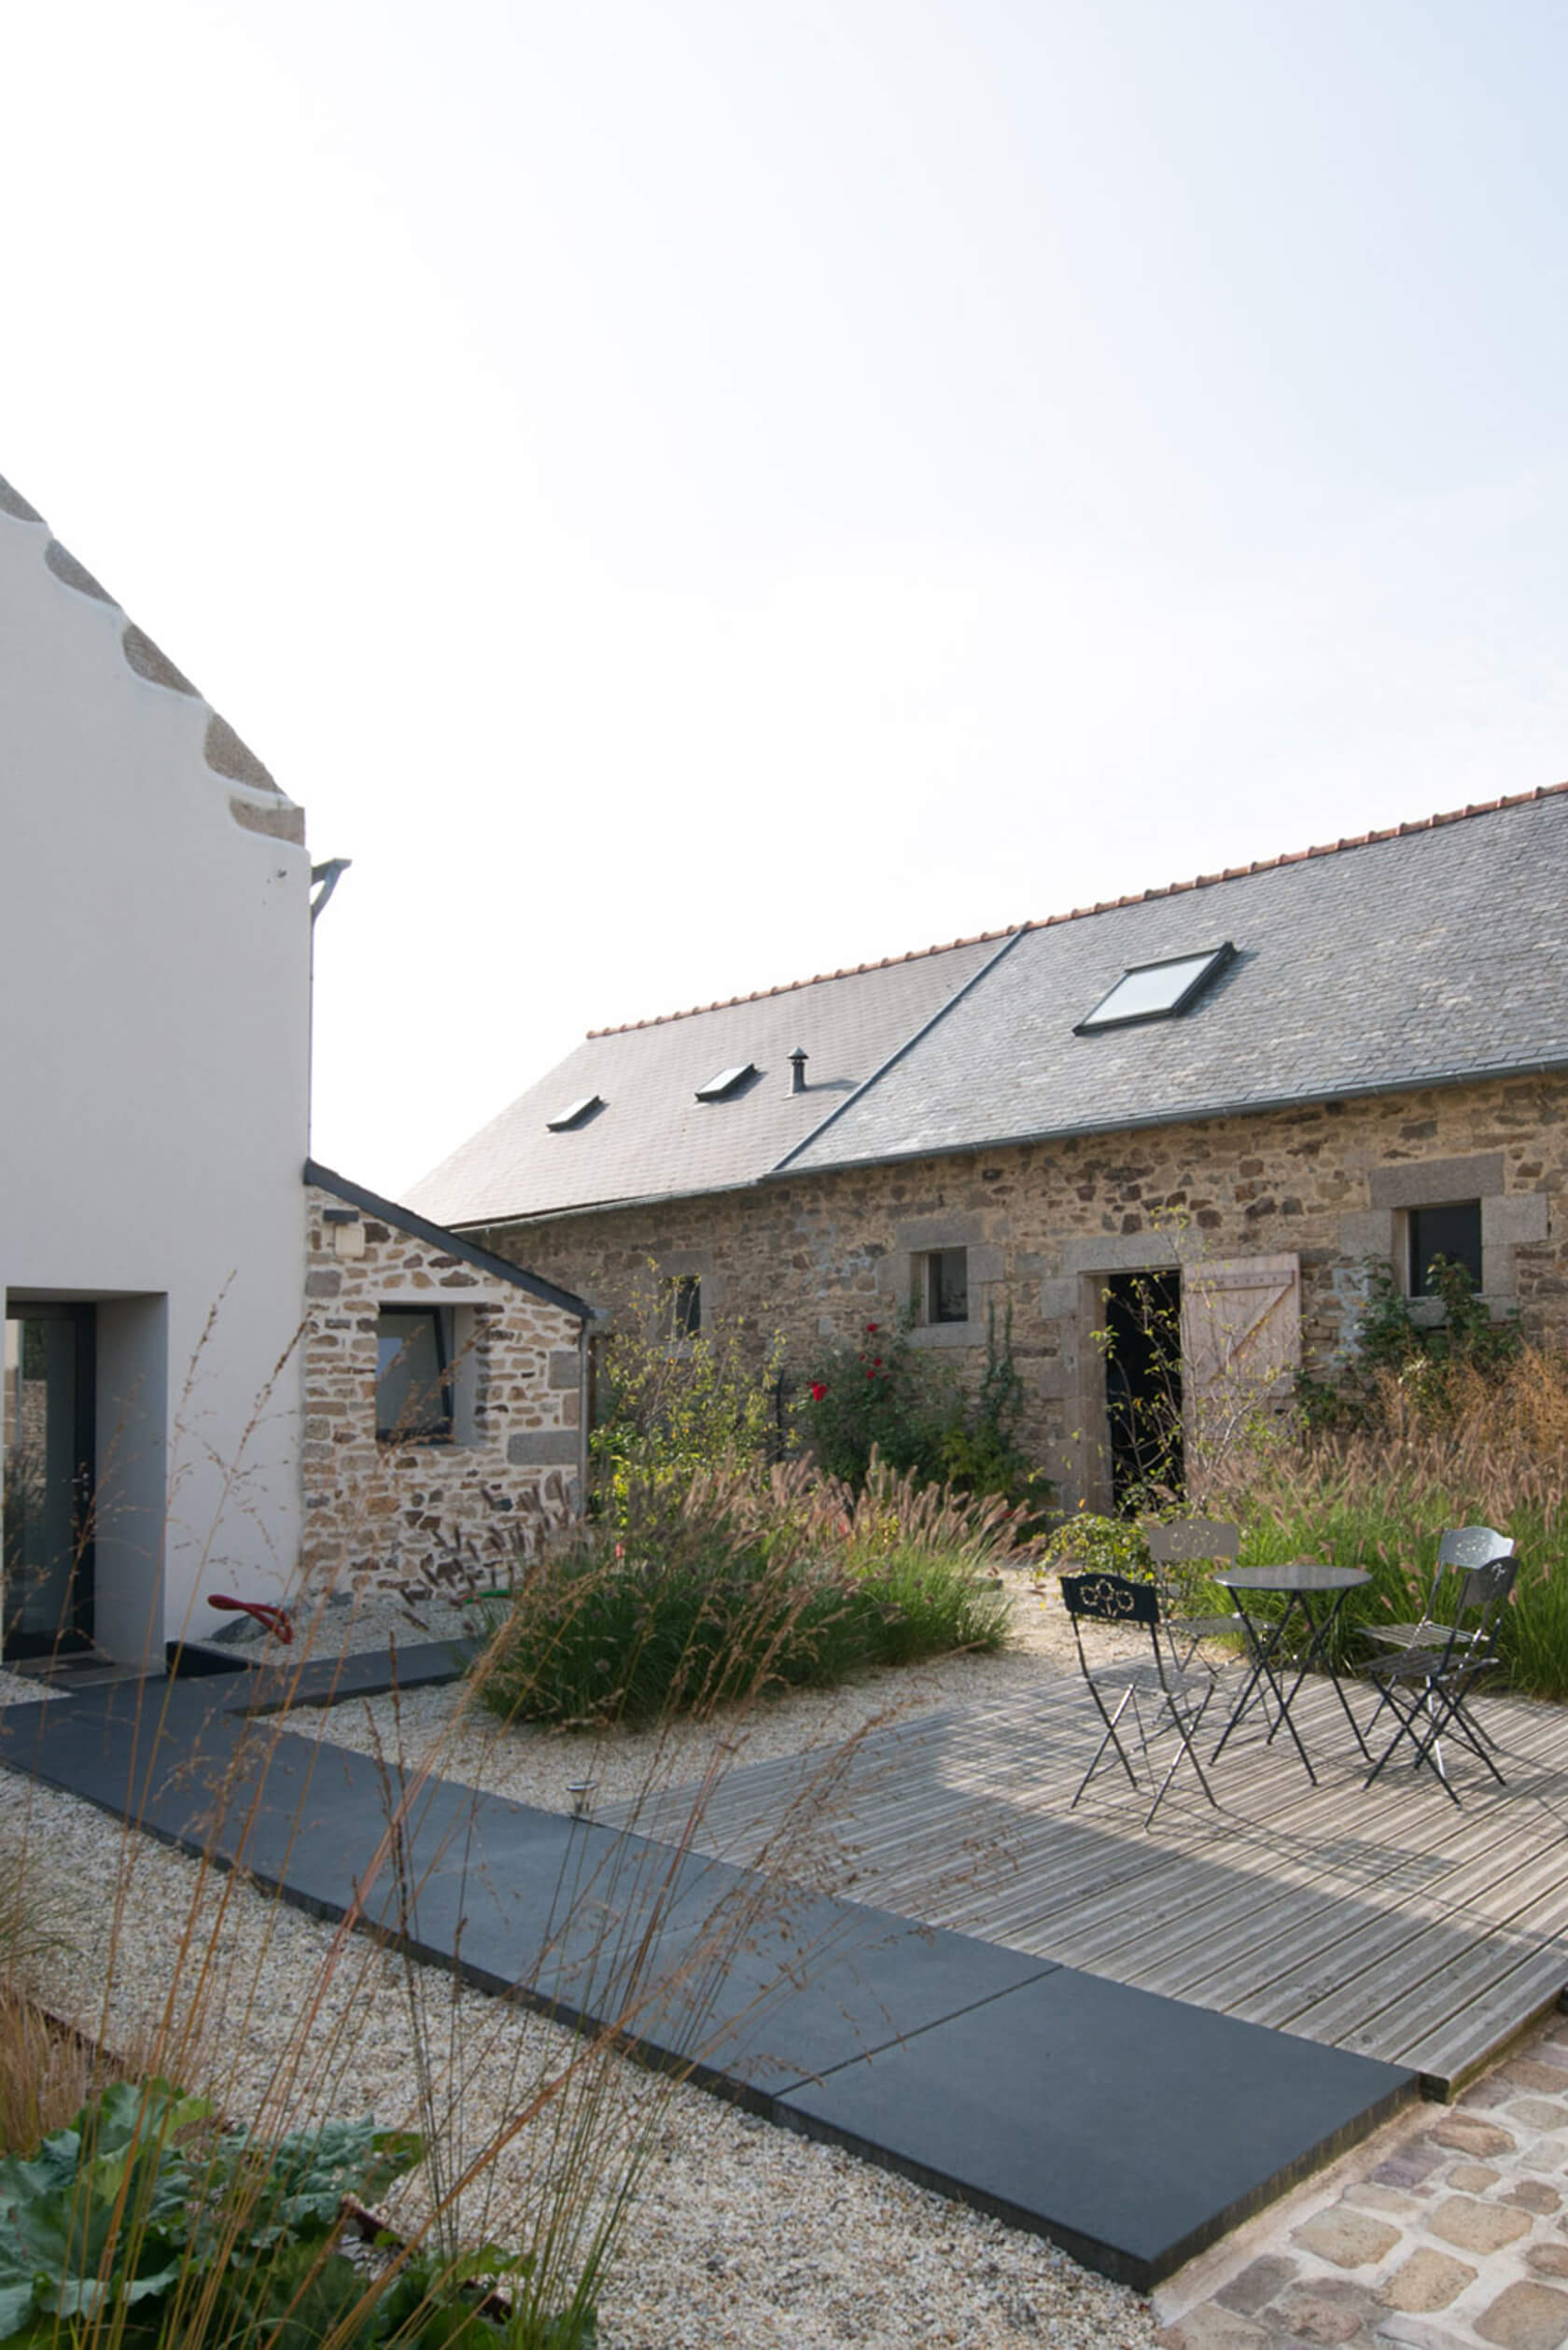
(727, 1082)
(574, 1114)
(1156, 991)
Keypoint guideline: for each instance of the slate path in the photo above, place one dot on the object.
(1131, 2130)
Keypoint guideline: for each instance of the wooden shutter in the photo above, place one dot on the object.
(1241, 1346)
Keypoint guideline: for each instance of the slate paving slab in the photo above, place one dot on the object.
(1130, 2129)
(362, 1674)
(1472, 2205)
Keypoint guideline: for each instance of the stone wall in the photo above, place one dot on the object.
(413, 1512)
(1324, 1187)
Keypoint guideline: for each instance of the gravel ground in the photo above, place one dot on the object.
(533, 1765)
(741, 2236)
(17, 1688)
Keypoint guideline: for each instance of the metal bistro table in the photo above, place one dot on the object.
(1301, 1583)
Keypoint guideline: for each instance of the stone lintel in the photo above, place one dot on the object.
(1121, 1252)
(1435, 1182)
(937, 1232)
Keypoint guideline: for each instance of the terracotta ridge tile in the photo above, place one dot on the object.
(794, 986)
(1109, 905)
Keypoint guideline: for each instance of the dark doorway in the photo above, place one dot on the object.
(1143, 1386)
(49, 1382)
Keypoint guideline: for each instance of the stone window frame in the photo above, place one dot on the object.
(687, 1264)
(1509, 1221)
(900, 1280)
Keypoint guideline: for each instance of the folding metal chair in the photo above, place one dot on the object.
(1461, 1548)
(1427, 1687)
(1111, 1598)
(1177, 1542)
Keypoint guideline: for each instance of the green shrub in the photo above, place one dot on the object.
(121, 2229)
(888, 1399)
(608, 1631)
(1088, 1544)
(667, 1409)
(1393, 1354)
(114, 2224)
(746, 1587)
(883, 1397)
(930, 1605)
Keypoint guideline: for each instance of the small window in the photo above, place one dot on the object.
(1454, 1232)
(683, 1296)
(729, 1081)
(1156, 991)
(414, 1375)
(575, 1113)
(942, 1285)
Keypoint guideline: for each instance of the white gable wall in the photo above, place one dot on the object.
(153, 1117)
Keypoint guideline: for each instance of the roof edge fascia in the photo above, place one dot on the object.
(610, 1207)
(441, 1236)
(1185, 1116)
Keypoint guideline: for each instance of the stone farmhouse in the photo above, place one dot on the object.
(225, 1369)
(1234, 1093)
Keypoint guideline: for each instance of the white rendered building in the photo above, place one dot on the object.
(154, 1123)
(228, 1372)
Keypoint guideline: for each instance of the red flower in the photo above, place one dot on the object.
(871, 1375)
(878, 1361)
(818, 1388)
(871, 1330)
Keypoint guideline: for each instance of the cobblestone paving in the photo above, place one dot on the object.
(1448, 2232)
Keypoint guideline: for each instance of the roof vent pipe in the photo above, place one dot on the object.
(797, 1071)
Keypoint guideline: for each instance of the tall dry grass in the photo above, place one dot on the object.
(1480, 1448)
(232, 2018)
(534, 2133)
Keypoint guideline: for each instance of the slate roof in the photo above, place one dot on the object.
(653, 1139)
(1427, 956)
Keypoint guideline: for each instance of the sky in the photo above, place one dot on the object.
(693, 493)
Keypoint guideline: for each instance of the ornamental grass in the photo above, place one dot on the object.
(186, 2139)
(1481, 1447)
(747, 1583)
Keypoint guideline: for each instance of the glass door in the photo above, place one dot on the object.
(47, 1400)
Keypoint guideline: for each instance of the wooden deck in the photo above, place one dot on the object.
(1383, 1920)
